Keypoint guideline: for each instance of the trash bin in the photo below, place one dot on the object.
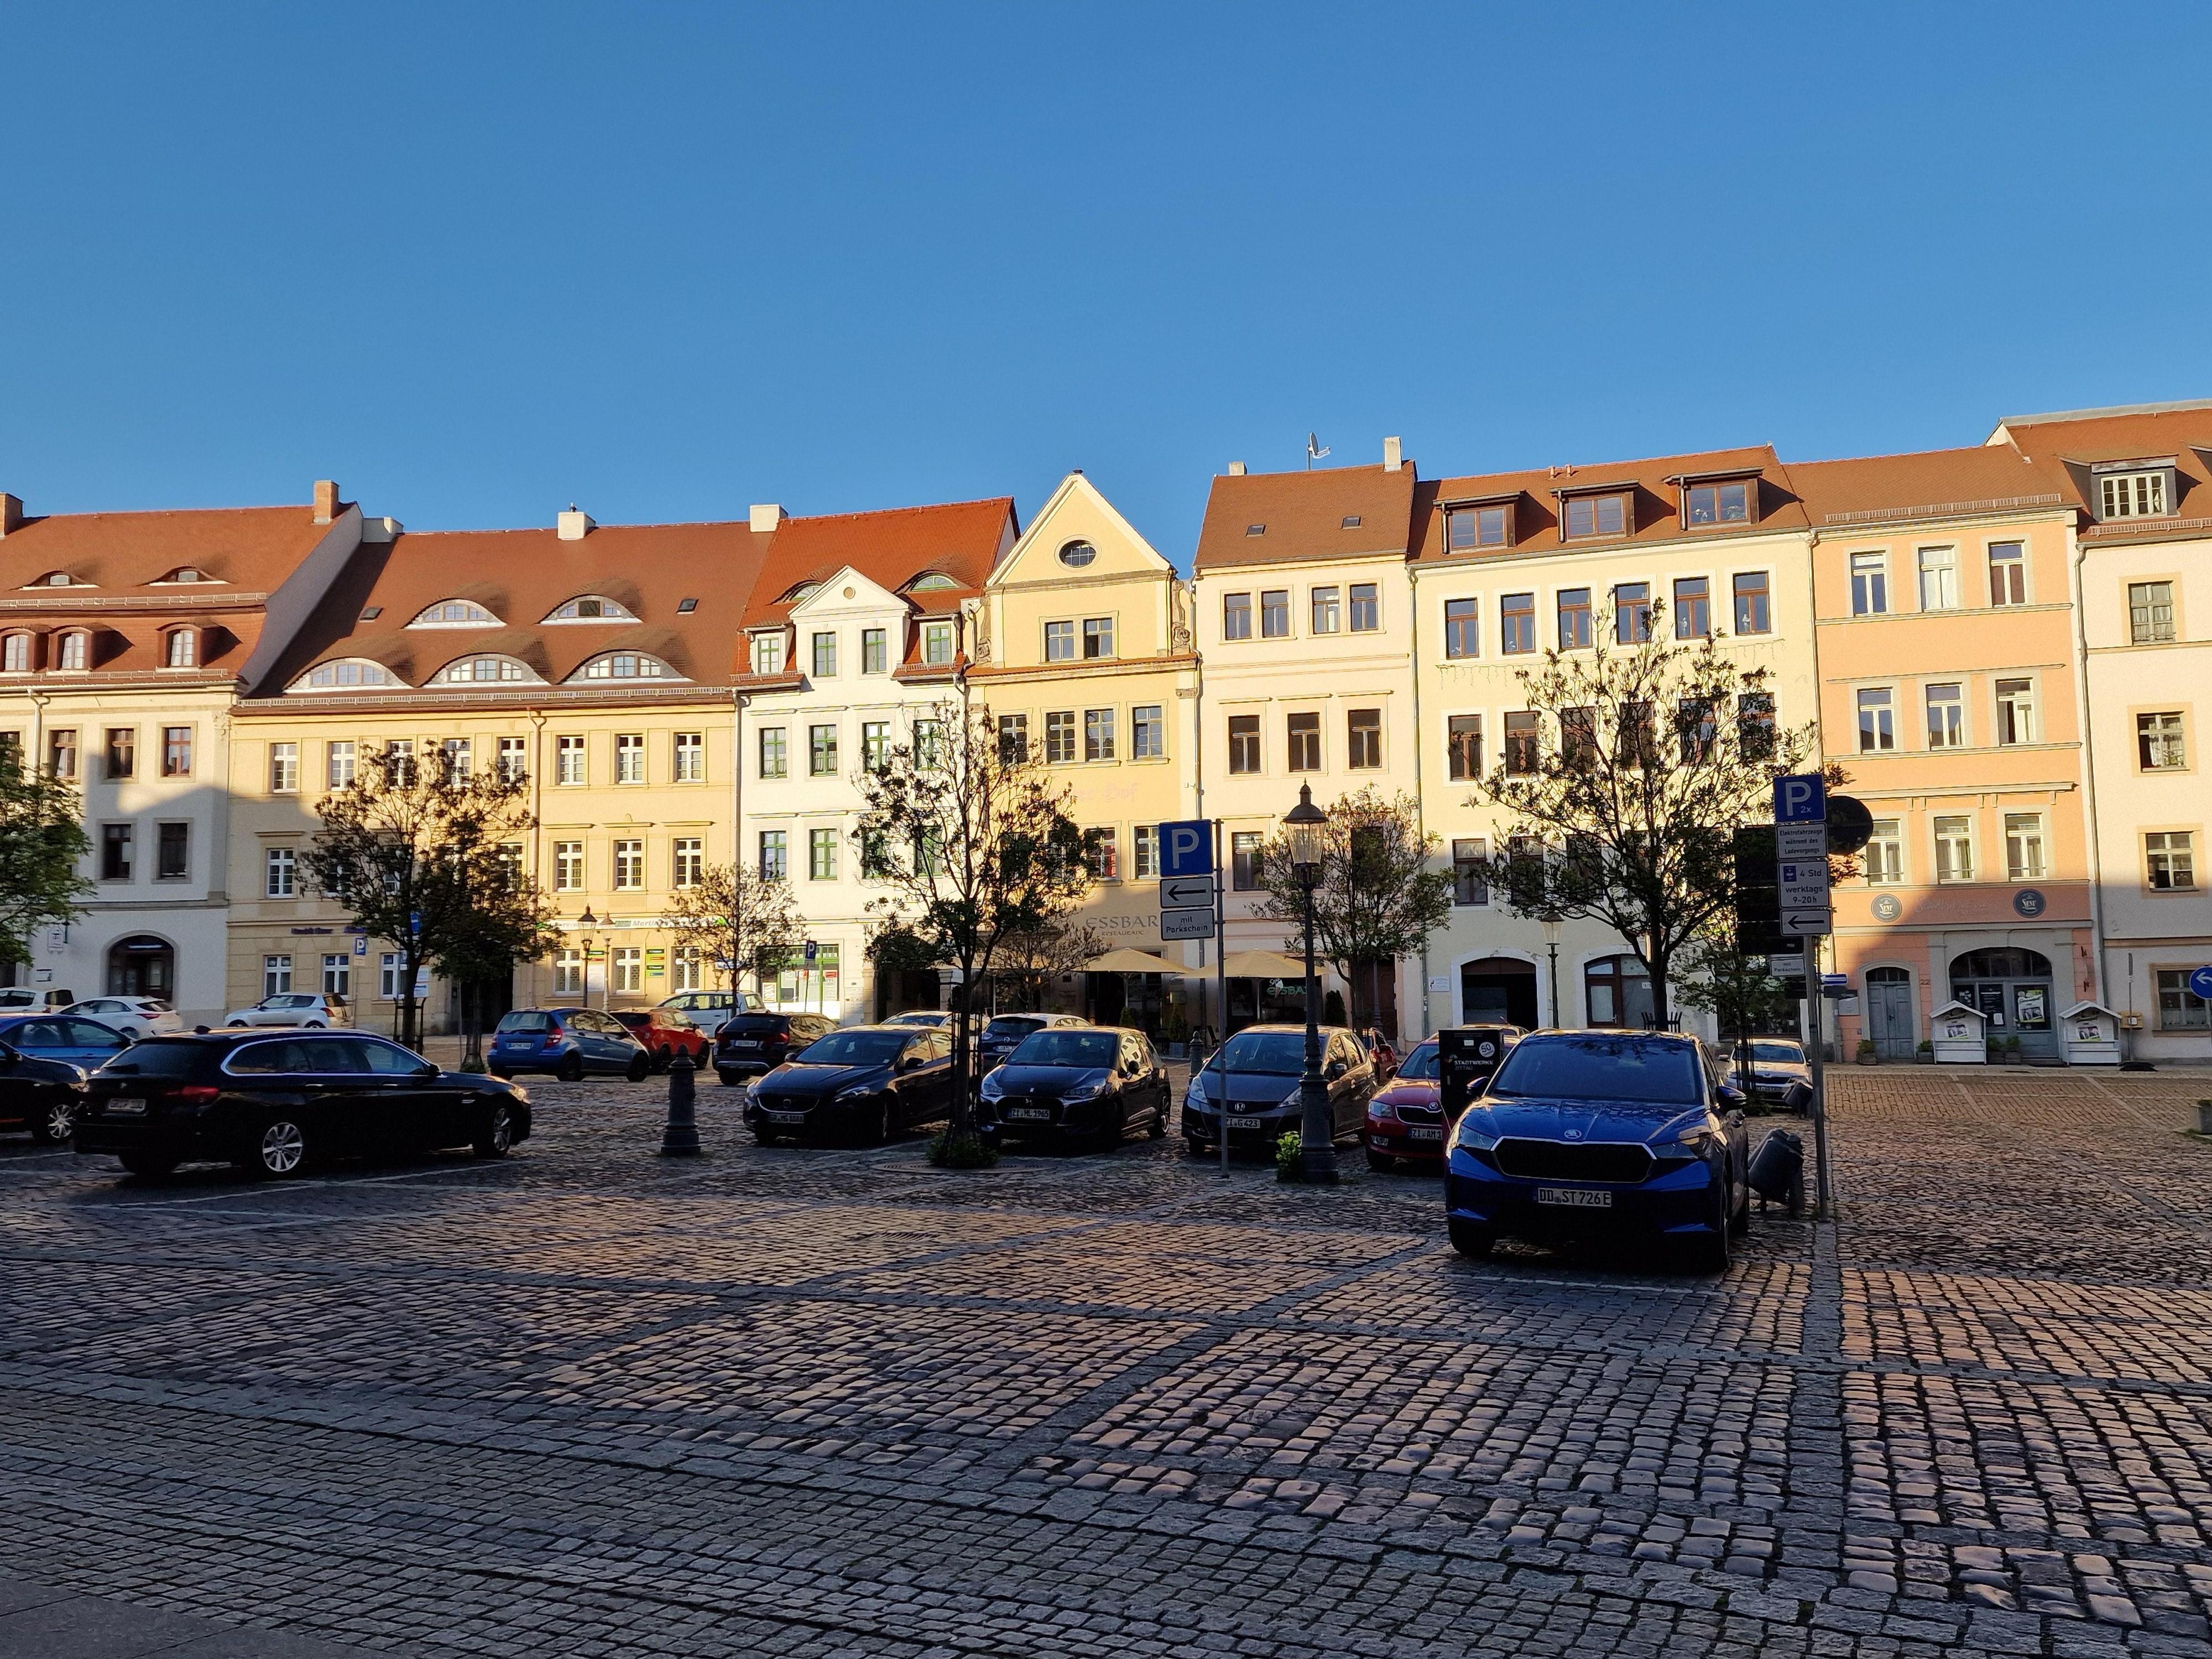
(1777, 1171)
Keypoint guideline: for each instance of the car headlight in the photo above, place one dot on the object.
(993, 1086)
(1195, 1096)
(1698, 1135)
(1081, 1091)
(1477, 1131)
(861, 1092)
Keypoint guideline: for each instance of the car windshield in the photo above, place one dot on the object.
(1086, 1049)
(156, 1057)
(1789, 1054)
(1421, 1063)
(1592, 1066)
(636, 1021)
(855, 1049)
(1012, 1025)
(1271, 1053)
(525, 1019)
(754, 1025)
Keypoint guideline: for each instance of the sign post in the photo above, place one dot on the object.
(1191, 909)
(1800, 860)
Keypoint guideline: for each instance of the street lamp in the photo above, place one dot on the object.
(1316, 1130)
(587, 921)
(1551, 945)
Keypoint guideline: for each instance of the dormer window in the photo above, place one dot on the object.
(16, 653)
(1720, 501)
(625, 665)
(185, 573)
(592, 608)
(455, 613)
(347, 675)
(798, 592)
(74, 652)
(1470, 528)
(937, 644)
(768, 653)
(180, 648)
(53, 578)
(1608, 514)
(936, 581)
(485, 670)
(2135, 490)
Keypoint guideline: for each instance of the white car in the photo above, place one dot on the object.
(132, 1017)
(930, 1017)
(313, 1009)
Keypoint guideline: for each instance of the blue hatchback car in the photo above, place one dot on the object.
(567, 1041)
(1602, 1134)
(68, 1037)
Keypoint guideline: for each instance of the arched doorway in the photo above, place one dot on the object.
(141, 966)
(1889, 1011)
(2012, 987)
(1498, 990)
(1619, 993)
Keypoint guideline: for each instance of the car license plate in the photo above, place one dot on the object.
(1248, 1123)
(1574, 1198)
(1030, 1114)
(787, 1117)
(126, 1108)
(1421, 1133)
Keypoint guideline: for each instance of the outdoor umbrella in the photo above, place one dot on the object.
(1126, 961)
(1263, 965)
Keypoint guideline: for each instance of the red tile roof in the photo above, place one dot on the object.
(893, 548)
(1927, 484)
(1303, 515)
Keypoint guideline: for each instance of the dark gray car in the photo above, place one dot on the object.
(1254, 1075)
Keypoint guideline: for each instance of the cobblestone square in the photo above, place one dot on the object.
(589, 1402)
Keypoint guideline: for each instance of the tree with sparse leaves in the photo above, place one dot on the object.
(1029, 963)
(1743, 997)
(741, 916)
(41, 839)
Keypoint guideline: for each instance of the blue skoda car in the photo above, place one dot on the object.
(1599, 1133)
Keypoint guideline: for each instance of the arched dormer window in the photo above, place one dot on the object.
(592, 608)
(19, 654)
(180, 648)
(935, 581)
(73, 652)
(486, 671)
(185, 573)
(625, 665)
(798, 592)
(347, 674)
(455, 613)
(53, 578)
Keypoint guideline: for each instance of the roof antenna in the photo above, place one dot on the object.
(1315, 449)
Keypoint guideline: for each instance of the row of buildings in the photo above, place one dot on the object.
(2001, 643)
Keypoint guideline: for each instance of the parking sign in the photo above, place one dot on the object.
(1186, 847)
(1800, 797)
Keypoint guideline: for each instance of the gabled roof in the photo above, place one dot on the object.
(1303, 515)
(1935, 484)
(2066, 447)
(892, 548)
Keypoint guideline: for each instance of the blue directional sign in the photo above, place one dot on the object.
(1186, 847)
(1800, 797)
(2201, 983)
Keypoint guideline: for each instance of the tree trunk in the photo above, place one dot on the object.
(963, 1098)
(1657, 965)
(472, 1025)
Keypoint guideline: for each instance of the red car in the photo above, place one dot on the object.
(666, 1033)
(1405, 1119)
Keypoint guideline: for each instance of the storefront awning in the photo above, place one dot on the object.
(1263, 965)
(1126, 961)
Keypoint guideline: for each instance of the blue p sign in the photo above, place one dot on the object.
(1800, 797)
(1186, 848)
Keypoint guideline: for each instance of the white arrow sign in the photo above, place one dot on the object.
(1187, 893)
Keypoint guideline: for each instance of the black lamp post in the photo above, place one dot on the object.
(1551, 945)
(1316, 1130)
(587, 921)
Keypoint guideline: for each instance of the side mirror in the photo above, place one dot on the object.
(1336, 1070)
(428, 1068)
(1731, 1096)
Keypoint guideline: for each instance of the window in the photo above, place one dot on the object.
(1013, 738)
(1877, 722)
(1523, 743)
(593, 607)
(687, 968)
(1060, 641)
(1754, 725)
(1148, 731)
(2133, 494)
(1946, 716)
(568, 974)
(474, 670)
(337, 975)
(1754, 614)
(1098, 734)
(453, 761)
(2015, 711)
(1463, 746)
(323, 676)
(1462, 629)
(1469, 527)
(937, 644)
(775, 756)
(1954, 848)
(2159, 743)
(1869, 584)
(767, 653)
(1327, 609)
(1076, 555)
(875, 651)
(1574, 618)
(2023, 846)
(1102, 854)
(1098, 638)
(275, 976)
(514, 759)
(825, 656)
(687, 861)
(875, 745)
(568, 866)
(1060, 736)
(1636, 736)
(183, 648)
(1517, 619)
(569, 760)
(1631, 612)
(1719, 503)
(280, 873)
(391, 974)
(822, 855)
(630, 866)
(115, 852)
(1244, 743)
(1579, 737)
(2007, 573)
(337, 765)
(1275, 613)
(1619, 992)
(176, 752)
(1470, 872)
(74, 655)
(1595, 515)
(822, 752)
(455, 613)
(689, 760)
(61, 753)
(2170, 860)
(122, 752)
(1939, 578)
(1883, 860)
(1364, 739)
(16, 654)
(1698, 726)
(630, 757)
(1244, 861)
(2179, 1008)
(283, 766)
(774, 855)
(1694, 609)
(1235, 616)
(2150, 612)
(1146, 840)
(1366, 608)
(173, 854)
(508, 866)
(1303, 735)
(628, 967)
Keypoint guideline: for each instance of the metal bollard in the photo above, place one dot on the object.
(681, 1138)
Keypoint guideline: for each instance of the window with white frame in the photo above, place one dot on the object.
(1060, 641)
(1954, 848)
(2150, 613)
(337, 765)
(2158, 742)
(283, 768)
(1877, 718)
(1146, 851)
(825, 656)
(1883, 860)
(2016, 711)
(2023, 834)
(1327, 609)
(1098, 734)
(629, 968)
(687, 968)
(2170, 860)
(1060, 736)
(399, 762)
(2007, 573)
(568, 866)
(1236, 615)
(2132, 495)
(2179, 1008)
(630, 757)
(76, 653)
(1148, 731)
(937, 644)
(1947, 715)
(568, 972)
(275, 976)
(1102, 853)
(1939, 578)
(514, 759)
(768, 653)
(1098, 638)
(280, 873)
(1366, 608)
(630, 866)
(1869, 584)
(454, 760)
(184, 648)
(687, 861)
(391, 976)
(337, 975)
(569, 759)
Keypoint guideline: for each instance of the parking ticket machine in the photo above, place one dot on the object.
(1466, 1057)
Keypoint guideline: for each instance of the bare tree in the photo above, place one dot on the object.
(1028, 962)
(737, 916)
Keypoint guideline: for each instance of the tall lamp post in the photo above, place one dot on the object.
(587, 921)
(1316, 1131)
(1551, 945)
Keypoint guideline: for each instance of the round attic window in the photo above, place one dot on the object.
(851, 592)
(1076, 555)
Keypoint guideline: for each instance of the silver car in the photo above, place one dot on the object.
(132, 1016)
(313, 1009)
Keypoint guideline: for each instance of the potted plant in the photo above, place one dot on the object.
(2012, 1052)
(1994, 1049)
(1866, 1052)
(1287, 1146)
(1925, 1053)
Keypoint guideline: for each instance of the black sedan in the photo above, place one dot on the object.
(39, 1095)
(1252, 1078)
(270, 1101)
(1088, 1082)
(861, 1083)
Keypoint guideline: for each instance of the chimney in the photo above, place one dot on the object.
(1236, 468)
(1394, 454)
(572, 525)
(326, 499)
(11, 512)
(766, 515)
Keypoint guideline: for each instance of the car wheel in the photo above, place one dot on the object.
(640, 1064)
(661, 1059)
(730, 1079)
(1199, 1148)
(1711, 1254)
(880, 1125)
(146, 1165)
(58, 1123)
(238, 1024)
(1470, 1240)
(571, 1068)
(282, 1150)
(1739, 1222)
(314, 1026)
(498, 1134)
(1158, 1129)
(761, 1137)
(1379, 1162)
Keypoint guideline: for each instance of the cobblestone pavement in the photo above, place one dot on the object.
(586, 1401)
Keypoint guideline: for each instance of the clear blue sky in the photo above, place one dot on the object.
(478, 261)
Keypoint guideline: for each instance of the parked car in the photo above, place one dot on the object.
(1780, 1074)
(37, 1095)
(273, 1103)
(666, 1032)
(708, 1008)
(863, 1082)
(62, 1036)
(750, 1045)
(931, 1017)
(1255, 1076)
(1615, 1133)
(1405, 1116)
(30, 1000)
(134, 1016)
(1007, 1032)
(308, 1008)
(1090, 1082)
(568, 1042)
